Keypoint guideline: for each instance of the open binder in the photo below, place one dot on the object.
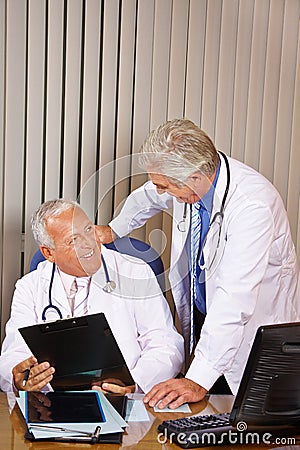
(118, 402)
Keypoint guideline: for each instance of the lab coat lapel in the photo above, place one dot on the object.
(180, 256)
(100, 301)
(209, 250)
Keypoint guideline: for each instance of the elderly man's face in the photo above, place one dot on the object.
(76, 246)
(197, 185)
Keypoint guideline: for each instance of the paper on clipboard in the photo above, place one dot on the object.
(114, 422)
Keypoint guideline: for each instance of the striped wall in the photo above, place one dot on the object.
(83, 81)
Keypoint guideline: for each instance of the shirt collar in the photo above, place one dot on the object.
(207, 200)
(67, 279)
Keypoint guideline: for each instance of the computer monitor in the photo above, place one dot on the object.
(267, 404)
(269, 393)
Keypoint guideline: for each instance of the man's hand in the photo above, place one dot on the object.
(105, 234)
(175, 392)
(39, 375)
(110, 388)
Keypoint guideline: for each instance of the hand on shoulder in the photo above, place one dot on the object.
(105, 234)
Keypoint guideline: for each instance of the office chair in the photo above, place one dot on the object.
(128, 246)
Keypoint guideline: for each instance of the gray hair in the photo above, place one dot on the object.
(177, 149)
(39, 218)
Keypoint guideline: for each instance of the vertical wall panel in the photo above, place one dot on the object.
(54, 99)
(225, 76)
(178, 49)
(298, 232)
(72, 99)
(195, 59)
(14, 149)
(210, 69)
(88, 150)
(143, 78)
(35, 113)
(241, 79)
(142, 87)
(176, 95)
(125, 98)
(161, 62)
(293, 200)
(159, 96)
(256, 83)
(285, 97)
(108, 108)
(270, 97)
(2, 128)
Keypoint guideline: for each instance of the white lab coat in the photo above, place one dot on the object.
(254, 279)
(136, 311)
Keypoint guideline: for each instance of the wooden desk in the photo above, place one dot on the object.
(138, 435)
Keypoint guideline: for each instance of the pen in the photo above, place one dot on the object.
(25, 377)
(65, 430)
(93, 439)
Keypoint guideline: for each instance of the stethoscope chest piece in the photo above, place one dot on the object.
(109, 287)
(181, 226)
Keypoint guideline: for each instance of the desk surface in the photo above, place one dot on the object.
(139, 435)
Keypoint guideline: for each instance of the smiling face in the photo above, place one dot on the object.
(76, 246)
(195, 188)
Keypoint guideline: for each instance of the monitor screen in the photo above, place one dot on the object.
(269, 393)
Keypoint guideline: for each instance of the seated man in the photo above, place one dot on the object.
(136, 310)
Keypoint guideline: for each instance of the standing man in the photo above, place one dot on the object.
(233, 263)
(75, 278)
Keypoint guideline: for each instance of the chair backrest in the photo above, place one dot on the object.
(128, 246)
(139, 249)
(36, 259)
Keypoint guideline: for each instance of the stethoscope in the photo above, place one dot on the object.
(217, 218)
(181, 226)
(110, 286)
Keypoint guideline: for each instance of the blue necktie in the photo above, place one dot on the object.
(200, 225)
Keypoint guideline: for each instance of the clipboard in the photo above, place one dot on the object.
(83, 351)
